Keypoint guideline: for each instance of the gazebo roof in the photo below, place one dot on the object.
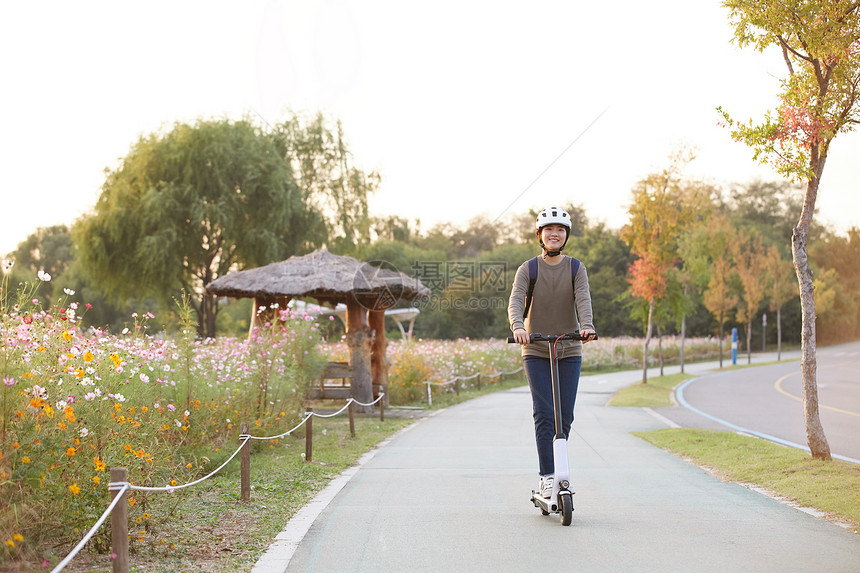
(325, 277)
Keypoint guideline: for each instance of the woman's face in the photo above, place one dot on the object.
(553, 236)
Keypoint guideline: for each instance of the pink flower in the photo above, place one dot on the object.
(171, 407)
(9, 381)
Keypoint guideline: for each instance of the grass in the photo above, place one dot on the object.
(831, 487)
(655, 394)
(209, 528)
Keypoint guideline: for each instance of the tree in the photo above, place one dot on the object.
(187, 206)
(750, 264)
(716, 265)
(662, 205)
(783, 287)
(820, 43)
(48, 249)
(835, 259)
(332, 186)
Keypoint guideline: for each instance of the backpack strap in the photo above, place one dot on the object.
(533, 273)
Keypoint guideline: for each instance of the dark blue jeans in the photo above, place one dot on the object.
(540, 382)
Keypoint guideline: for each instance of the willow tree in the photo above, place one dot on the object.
(820, 44)
(185, 207)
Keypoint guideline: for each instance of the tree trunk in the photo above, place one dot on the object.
(815, 437)
(359, 337)
(722, 335)
(749, 341)
(207, 315)
(660, 347)
(779, 333)
(647, 341)
(683, 336)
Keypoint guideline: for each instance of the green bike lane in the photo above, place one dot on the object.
(452, 493)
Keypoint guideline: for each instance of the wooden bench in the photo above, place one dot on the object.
(335, 383)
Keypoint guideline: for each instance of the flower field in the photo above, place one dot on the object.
(76, 403)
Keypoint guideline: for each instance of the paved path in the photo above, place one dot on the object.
(451, 494)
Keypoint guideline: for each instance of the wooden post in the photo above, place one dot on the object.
(457, 386)
(119, 523)
(378, 360)
(351, 420)
(479, 381)
(245, 464)
(359, 339)
(382, 409)
(309, 436)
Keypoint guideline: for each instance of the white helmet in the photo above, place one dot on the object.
(553, 216)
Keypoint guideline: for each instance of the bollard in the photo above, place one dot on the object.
(245, 465)
(309, 436)
(382, 410)
(119, 523)
(351, 420)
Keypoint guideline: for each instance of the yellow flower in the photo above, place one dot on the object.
(88, 356)
(25, 459)
(70, 452)
(18, 537)
(70, 414)
(131, 501)
(137, 520)
(74, 489)
(188, 466)
(97, 479)
(67, 335)
(146, 516)
(173, 482)
(100, 465)
(49, 411)
(10, 543)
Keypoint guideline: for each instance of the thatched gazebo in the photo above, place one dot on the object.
(366, 290)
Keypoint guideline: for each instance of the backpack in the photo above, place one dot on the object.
(533, 274)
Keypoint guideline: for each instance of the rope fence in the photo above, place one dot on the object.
(119, 485)
(457, 379)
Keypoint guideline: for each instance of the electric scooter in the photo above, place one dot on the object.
(561, 499)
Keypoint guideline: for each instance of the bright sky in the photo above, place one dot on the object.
(460, 105)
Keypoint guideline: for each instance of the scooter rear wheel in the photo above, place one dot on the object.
(566, 508)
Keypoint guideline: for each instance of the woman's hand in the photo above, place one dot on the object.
(521, 336)
(587, 335)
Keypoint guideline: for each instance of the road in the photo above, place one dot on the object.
(767, 399)
(451, 493)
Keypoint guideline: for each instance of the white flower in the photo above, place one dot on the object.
(61, 405)
(43, 276)
(89, 396)
(84, 432)
(144, 378)
(68, 291)
(156, 405)
(119, 398)
(125, 331)
(178, 423)
(187, 413)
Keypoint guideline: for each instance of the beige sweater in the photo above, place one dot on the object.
(552, 310)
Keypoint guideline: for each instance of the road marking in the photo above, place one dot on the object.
(778, 386)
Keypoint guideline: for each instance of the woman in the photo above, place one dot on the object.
(560, 303)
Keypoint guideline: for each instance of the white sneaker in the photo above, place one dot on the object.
(546, 486)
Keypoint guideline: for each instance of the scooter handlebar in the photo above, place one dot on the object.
(538, 337)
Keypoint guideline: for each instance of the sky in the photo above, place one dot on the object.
(465, 108)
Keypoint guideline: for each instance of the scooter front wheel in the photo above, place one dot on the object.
(566, 508)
